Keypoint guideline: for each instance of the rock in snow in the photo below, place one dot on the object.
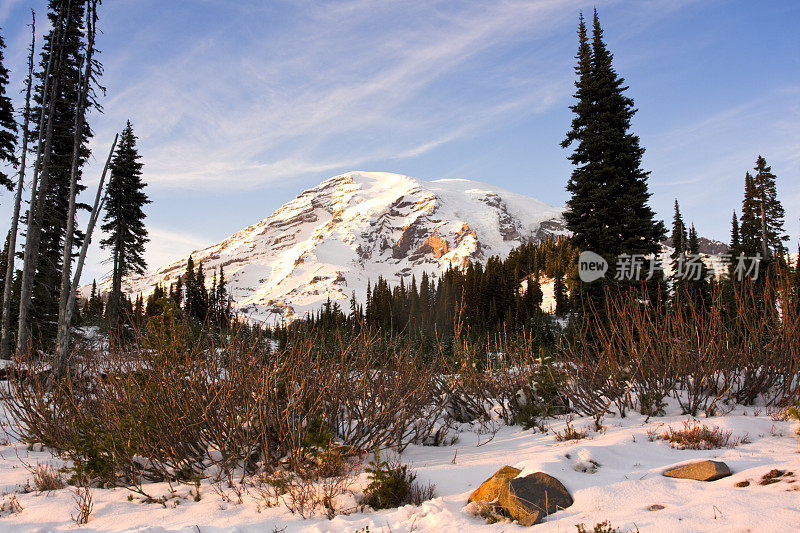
(526, 499)
(701, 471)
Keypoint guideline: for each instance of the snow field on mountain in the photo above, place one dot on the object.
(333, 239)
(625, 482)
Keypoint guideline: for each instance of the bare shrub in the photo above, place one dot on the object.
(600, 527)
(301, 497)
(268, 488)
(732, 347)
(419, 493)
(83, 504)
(697, 436)
(10, 506)
(164, 409)
(570, 433)
(509, 378)
(331, 488)
(46, 478)
(173, 404)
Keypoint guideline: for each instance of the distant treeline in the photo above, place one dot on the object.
(503, 295)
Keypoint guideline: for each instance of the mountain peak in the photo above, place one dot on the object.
(330, 240)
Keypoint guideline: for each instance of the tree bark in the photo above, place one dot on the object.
(62, 354)
(5, 335)
(80, 118)
(41, 181)
(763, 228)
(116, 286)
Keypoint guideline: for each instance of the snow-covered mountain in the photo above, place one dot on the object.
(330, 240)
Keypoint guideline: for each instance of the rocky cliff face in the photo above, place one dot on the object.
(331, 239)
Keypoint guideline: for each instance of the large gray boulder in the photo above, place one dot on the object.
(701, 471)
(525, 499)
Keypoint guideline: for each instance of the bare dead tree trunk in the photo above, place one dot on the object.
(763, 228)
(116, 284)
(5, 335)
(80, 118)
(62, 354)
(41, 180)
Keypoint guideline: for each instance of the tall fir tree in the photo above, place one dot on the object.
(735, 247)
(70, 51)
(769, 210)
(8, 126)
(678, 255)
(223, 300)
(190, 288)
(177, 295)
(201, 294)
(697, 284)
(213, 303)
(608, 211)
(196, 299)
(560, 295)
(749, 223)
(736, 241)
(679, 235)
(124, 218)
(533, 295)
(93, 310)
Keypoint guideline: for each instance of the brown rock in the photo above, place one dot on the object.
(490, 489)
(524, 499)
(655, 507)
(701, 471)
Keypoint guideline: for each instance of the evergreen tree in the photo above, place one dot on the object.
(607, 211)
(124, 217)
(191, 288)
(560, 295)
(769, 210)
(425, 301)
(213, 304)
(158, 301)
(735, 247)
(196, 299)
(200, 305)
(8, 126)
(678, 256)
(93, 310)
(138, 310)
(750, 227)
(697, 285)
(69, 50)
(533, 296)
(223, 299)
(736, 242)
(178, 294)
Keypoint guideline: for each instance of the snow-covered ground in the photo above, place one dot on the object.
(626, 482)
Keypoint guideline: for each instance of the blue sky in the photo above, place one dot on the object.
(241, 105)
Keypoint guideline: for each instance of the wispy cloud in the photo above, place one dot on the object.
(343, 83)
(228, 97)
(164, 247)
(703, 162)
(6, 7)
